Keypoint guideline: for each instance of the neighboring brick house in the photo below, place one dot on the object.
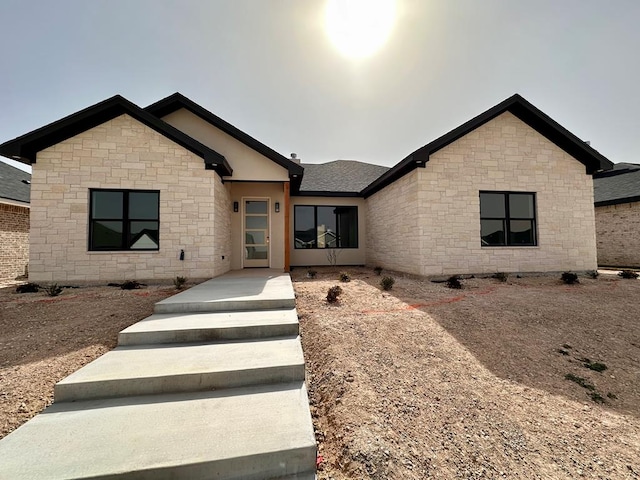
(14, 221)
(617, 206)
(124, 192)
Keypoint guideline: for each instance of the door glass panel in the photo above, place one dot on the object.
(253, 206)
(256, 223)
(255, 253)
(255, 237)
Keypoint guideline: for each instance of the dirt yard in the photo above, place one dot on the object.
(43, 339)
(490, 381)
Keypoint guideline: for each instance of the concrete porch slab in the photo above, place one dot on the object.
(250, 433)
(249, 289)
(203, 327)
(160, 369)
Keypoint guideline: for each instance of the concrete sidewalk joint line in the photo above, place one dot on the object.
(209, 386)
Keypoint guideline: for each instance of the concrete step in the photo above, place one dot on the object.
(234, 291)
(252, 433)
(128, 371)
(204, 327)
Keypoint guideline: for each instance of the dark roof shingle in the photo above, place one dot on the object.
(339, 176)
(15, 184)
(620, 185)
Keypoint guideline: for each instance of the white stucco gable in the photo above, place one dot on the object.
(247, 163)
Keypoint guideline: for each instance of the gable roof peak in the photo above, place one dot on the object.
(593, 160)
(177, 101)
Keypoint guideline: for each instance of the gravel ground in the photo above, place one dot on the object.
(43, 339)
(428, 382)
(419, 382)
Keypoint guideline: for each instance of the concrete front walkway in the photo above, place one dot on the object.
(219, 393)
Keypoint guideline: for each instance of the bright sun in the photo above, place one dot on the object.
(358, 28)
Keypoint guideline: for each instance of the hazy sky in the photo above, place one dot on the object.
(267, 67)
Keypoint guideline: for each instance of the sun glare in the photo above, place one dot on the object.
(358, 28)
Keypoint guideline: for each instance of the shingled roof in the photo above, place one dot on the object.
(344, 177)
(620, 185)
(14, 183)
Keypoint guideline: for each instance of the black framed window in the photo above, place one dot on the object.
(124, 220)
(321, 226)
(507, 219)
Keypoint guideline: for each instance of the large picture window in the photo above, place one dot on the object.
(507, 219)
(325, 226)
(124, 220)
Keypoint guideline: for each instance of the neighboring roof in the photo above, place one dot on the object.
(177, 101)
(340, 177)
(620, 185)
(525, 111)
(14, 183)
(26, 147)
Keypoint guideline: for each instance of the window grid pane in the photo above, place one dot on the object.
(124, 220)
(325, 226)
(517, 226)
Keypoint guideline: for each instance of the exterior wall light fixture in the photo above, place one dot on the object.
(277, 207)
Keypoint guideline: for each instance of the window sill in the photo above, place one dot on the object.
(514, 247)
(119, 252)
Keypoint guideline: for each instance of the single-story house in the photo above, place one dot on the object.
(617, 204)
(14, 221)
(120, 191)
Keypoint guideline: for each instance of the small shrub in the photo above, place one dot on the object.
(612, 396)
(562, 352)
(312, 273)
(595, 366)
(28, 288)
(593, 274)
(344, 277)
(179, 282)
(130, 285)
(501, 276)
(387, 283)
(454, 282)
(596, 397)
(628, 274)
(333, 294)
(566, 345)
(580, 381)
(53, 290)
(378, 270)
(569, 278)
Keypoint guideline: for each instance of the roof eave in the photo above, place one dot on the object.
(27, 146)
(525, 111)
(617, 201)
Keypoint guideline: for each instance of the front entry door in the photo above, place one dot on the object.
(256, 233)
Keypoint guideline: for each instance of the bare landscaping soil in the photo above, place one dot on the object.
(43, 339)
(530, 378)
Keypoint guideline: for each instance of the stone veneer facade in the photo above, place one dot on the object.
(14, 241)
(617, 233)
(428, 222)
(126, 154)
